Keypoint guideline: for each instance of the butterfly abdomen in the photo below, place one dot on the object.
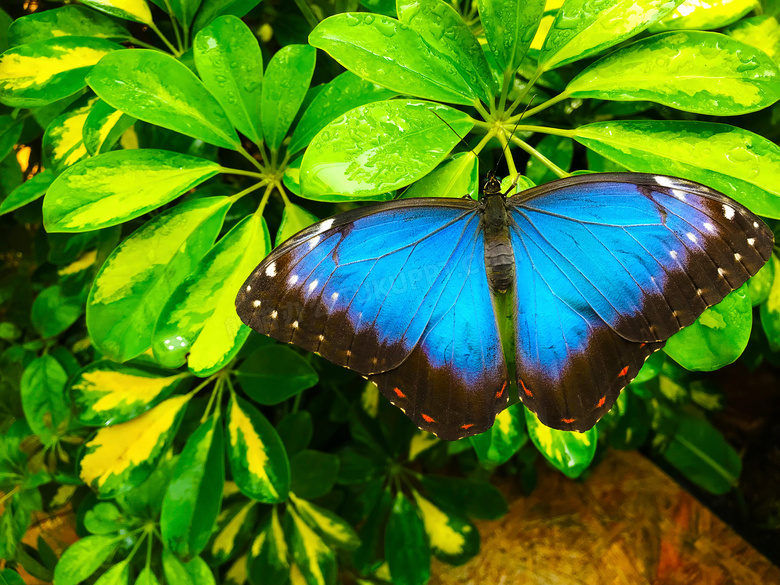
(499, 259)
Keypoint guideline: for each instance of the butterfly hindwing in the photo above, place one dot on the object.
(399, 294)
(608, 268)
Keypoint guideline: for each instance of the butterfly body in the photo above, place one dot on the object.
(598, 271)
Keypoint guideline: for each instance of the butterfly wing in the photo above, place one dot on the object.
(608, 268)
(396, 291)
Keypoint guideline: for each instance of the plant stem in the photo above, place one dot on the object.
(174, 25)
(488, 137)
(264, 200)
(141, 43)
(525, 91)
(510, 160)
(253, 174)
(242, 151)
(482, 111)
(551, 102)
(216, 391)
(164, 39)
(307, 12)
(543, 159)
(248, 190)
(508, 75)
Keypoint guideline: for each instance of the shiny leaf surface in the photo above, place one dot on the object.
(569, 452)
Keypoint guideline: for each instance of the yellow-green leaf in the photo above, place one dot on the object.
(235, 525)
(135, 10)
(314, 558)
(114, 187)
(760, 285)
(199, 321)
(762, 32)
(120, 457)
(705, 14)
(455, 177)
(770, 310)
(136, 280)
(569, 452)
(331, 527)
(104, 127)
(452, 537)
(67, 21)
(63, 141)
(504, 438)
(256, 453)
(294, 219)
(268, 557)
(45, 71)
(106, 393)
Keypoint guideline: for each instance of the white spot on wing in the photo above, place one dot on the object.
(673, 254)
(274, 314)
(334, 296)
(321, 337)
(709, 227)
(314, 241)
(271, 269)
(679, 194)
(248, 288)
(295, 324)
(293, 279)
(325, 225)
(738, 257)
(728, 211)
(691, 237)
(752, 241)
(255, 303)
(664, 181)
(721, 271)
(313, 285)
(755, 224)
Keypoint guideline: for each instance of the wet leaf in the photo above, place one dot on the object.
(66, 21)
(135, 10)
(705, 14)
(509, 28)
(760, 285)
(294, 219)
(455, 177)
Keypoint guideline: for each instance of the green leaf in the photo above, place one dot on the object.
(760, 285)
(762, 32)
(651, 368)
(569, 452)
(559, 150)
(294, 219)
(584, 27)
(701, 72)
(257, 457)
(314, 473)
(10, 577)
(738, 163)
(314, 558)
(158, 89)
(139, 276)
(114, 187)
(146, 577)
(53, 312)
(718, 337)
(406, 547)
(235, 527)
(230, 64)
(195, 572)
(32, 189)
(199, 320)
(268, 562)
(696, 14)
(43, 398)
(343, 93)
(396, 142)
(627, 423)
(476, 499)
(275, 373)
(121, 457)
(296, 430)
(194, 496)
(455, 177)
(452, 538)
(119, 574)
(447, 35)
(212, 9)
(393, 55)
(10, 131)
(135, 10)
(286, 82)
(503, 439)
(104, 518)
(332, 528)
(45, 71)
(63, 141)
(510, 27)
(701, 454)
(104, 127)
(770, 310)
(66, 21)
(106, 393)
(82, 559)
(184, 11)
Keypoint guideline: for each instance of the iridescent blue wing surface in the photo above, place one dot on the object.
(608, 267)
(397, 292)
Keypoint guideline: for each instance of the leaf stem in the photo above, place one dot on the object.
(248, 190)
(228, 170)
(482, 111)
(546, 130)
(551, 102)
(538, 155)
(264, 200)
(525, 91)
(504, 91)
(307, 12)
(164, 39)
(143, 44)
(510, 160)
(242, 151)
(488, 137)
(174, 25)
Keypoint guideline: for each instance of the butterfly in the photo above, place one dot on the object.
(577, 282)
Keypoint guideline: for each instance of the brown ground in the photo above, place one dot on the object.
(629, 523)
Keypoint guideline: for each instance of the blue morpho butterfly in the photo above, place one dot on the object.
(598, 271)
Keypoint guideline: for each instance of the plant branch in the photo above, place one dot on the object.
(538, 155)
(551, 102)
(164, 39)
(307, 12)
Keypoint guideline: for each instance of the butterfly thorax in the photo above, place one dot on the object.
(499, 258)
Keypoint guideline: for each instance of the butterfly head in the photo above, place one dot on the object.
(492, 185)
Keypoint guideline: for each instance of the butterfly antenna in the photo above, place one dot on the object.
(503, 150)
(456, 134)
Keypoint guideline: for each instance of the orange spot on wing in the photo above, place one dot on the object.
(641, 345)
(400, 394)
(427, 418)
(526, 390)
(467, 427)
(500, 393)
(568, 420)
(601, 402)
(623, 372)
